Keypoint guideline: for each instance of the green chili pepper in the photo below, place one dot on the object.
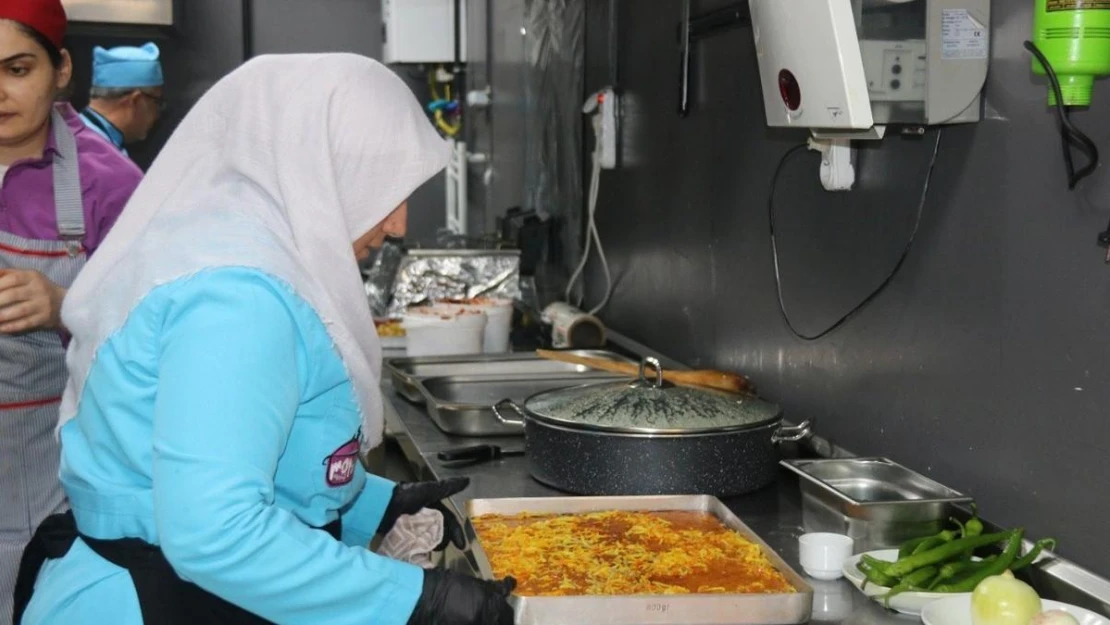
(907, 547)
(945, 552)
(999, 565)
(874, 575)
(935, 541)
(872, 561)
(1029, 558)
(974, 527)
(931, 543)
(959, 567)
(918, 580)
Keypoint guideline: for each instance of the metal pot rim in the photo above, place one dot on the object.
(656, 382)
(675, 434)
(775, 420)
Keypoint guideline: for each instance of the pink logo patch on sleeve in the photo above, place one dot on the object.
(341, 464)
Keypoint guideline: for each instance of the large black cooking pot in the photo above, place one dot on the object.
(648, 437)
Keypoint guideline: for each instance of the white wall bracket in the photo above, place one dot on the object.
(479, 98)
(456, 188)
(838, 157)
(605, 106)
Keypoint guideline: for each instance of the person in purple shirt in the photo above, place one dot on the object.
(62, 189)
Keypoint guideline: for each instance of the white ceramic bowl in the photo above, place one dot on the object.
(908, 602)
(822, 554)
(956, 610)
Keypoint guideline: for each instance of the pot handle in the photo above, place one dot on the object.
(508, 403)
(657, 367)
(793, 433)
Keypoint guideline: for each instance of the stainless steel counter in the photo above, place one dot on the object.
(774, 513)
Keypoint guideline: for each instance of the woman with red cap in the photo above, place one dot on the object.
(62, 189)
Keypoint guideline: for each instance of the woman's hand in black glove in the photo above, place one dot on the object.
(412, 497)
(450, 598)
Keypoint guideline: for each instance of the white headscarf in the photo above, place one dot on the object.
(279, 167)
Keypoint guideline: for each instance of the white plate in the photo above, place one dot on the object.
(956, 610)
(910, 603)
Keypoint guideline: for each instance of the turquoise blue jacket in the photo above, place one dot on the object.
(220, 424)
(113, 134)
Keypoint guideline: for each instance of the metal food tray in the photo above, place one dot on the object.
(463, 405)
(876, 501)
(692, 609)
(407, 372)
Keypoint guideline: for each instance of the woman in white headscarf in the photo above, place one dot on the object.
(224, 374)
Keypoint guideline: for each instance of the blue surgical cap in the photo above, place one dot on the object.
(127, 67)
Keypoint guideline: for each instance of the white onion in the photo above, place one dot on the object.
(1054, 617)
(1000, 600)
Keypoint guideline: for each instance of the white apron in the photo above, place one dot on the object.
(33, 375)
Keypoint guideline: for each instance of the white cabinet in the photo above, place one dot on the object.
(424, 31)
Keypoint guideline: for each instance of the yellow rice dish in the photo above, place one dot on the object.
(625, 553)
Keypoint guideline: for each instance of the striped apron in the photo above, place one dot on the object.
(33, 375)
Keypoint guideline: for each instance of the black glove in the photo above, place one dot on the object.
(412, 497)
(450, 598)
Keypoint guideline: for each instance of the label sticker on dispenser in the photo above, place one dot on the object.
(1076, 5)
(962, 36)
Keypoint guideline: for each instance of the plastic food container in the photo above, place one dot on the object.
(499, 315)
(444, 330)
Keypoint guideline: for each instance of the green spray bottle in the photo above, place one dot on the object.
(1075, 37)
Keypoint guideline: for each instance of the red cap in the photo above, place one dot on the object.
(48, 17)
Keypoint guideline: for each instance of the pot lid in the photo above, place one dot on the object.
(649, 405)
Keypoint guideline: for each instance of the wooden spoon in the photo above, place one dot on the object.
(705, 378)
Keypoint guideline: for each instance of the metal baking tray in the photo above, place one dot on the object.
(463, 404)
(406, 372)
(876, 501)
(693, 609)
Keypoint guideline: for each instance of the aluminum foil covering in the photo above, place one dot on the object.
(428, 275)
(379, 279)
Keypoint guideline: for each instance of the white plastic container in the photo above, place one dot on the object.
(444, 330)
(500, 325)
(499, 313)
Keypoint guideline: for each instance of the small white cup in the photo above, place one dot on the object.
(822, 554)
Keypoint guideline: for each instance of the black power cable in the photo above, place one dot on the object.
(1069, 134)
(885, 283)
